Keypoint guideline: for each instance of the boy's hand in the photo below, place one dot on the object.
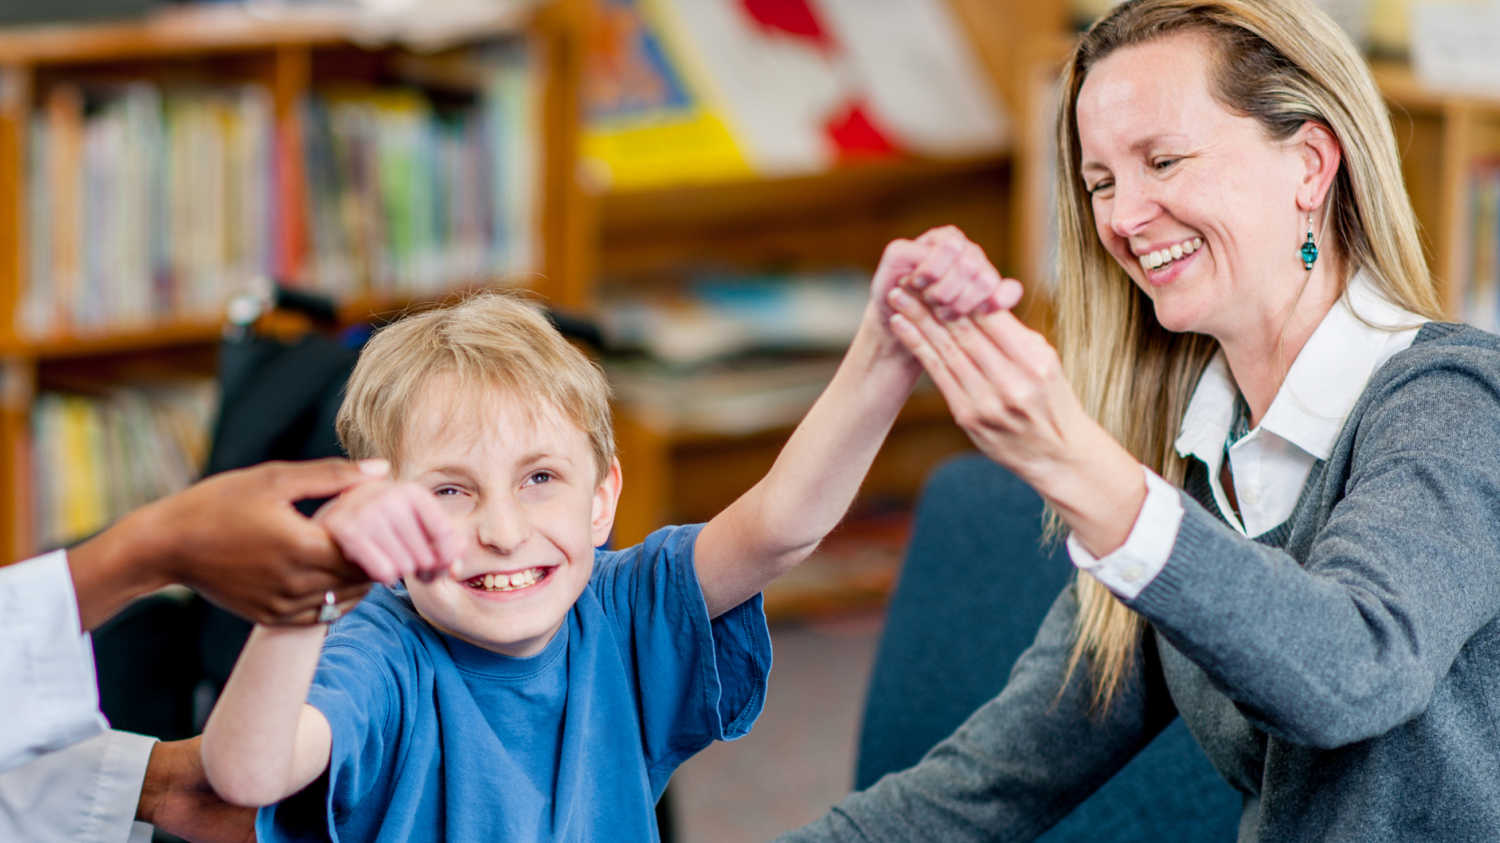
(392, 530)
(950, 273)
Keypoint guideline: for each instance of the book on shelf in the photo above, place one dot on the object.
(151, 203)
(97, 457)
(718, 316)
(694, 91)
(731, 355)
(1480, 302)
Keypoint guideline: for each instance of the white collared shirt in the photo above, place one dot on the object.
(1271, 463)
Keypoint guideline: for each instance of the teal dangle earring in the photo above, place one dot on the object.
(1309, 252)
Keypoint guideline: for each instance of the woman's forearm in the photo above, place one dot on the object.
(1096, 487)
(262, 742)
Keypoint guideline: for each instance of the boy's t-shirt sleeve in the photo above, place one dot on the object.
(352, 690)
(699, 679)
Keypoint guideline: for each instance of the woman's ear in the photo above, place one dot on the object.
(1321, 157)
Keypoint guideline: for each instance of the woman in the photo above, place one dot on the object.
(1249, 319)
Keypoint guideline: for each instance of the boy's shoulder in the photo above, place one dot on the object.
(671, 545)
(384, 625)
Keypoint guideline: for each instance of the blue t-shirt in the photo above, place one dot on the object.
(436, 739)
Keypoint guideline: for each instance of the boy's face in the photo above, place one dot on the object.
(528, 509)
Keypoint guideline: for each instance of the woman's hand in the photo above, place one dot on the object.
(1005, 386)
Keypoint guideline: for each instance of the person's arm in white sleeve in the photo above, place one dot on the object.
(46, 663)
(87, 793)
(1132, 566)
(112, 788)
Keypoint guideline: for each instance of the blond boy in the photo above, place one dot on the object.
(540, 689)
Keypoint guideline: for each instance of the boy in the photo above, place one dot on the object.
(540, 690)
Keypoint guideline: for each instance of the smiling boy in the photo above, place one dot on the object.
(539, 689)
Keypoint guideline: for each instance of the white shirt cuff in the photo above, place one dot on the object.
(1133, 566)
(49, 698)
(87, 793)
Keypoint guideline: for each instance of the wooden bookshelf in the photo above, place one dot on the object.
(1441, 136)
(587, 238)
(224, 44)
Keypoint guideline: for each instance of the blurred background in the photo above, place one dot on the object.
(205, 208)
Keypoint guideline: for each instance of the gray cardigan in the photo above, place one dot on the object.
(1342, 671)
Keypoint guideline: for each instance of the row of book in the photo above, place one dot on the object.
(97, 457)
(145, 205)
(150, 203)
(410, 196)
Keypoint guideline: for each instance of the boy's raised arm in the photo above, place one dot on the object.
(776, 524)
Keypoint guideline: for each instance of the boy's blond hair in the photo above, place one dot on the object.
(490, 342)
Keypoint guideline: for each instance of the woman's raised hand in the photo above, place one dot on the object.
(1002, 380)
(1005, 387)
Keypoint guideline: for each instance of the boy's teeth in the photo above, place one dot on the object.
(510, 582)
(1161, 257)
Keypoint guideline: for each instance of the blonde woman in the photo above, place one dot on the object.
(1278, 475)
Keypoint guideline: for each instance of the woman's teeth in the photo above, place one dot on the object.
(508, 582)
(1162, 257)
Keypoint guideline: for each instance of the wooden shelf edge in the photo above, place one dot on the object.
(115, 341)
(1401, 86)
(627, 210)
(185, 30)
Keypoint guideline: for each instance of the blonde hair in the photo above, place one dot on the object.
(489, 342)
(1282, 63)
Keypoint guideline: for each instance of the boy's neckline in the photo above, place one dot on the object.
(478, 661)
(481, 662)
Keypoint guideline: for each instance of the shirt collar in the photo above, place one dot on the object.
(1320, 389)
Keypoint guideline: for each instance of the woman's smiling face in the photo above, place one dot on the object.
(1172, 172)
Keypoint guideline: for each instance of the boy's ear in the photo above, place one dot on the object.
(606, 500)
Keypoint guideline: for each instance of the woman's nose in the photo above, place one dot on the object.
(1131, 208)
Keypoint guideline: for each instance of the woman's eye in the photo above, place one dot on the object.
(1100, 187)
(1164, 163)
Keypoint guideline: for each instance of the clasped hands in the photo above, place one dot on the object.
(1004, 383)
(951, 309)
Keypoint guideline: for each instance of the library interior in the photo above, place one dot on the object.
(207, 207)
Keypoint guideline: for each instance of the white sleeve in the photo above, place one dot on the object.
(1136, 563)
(87, 793)
(48, 693)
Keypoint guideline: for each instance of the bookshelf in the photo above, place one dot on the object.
(1446, 140)
(199, 54)
(588, 242)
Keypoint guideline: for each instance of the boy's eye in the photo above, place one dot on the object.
(537, 477)
(446, 491)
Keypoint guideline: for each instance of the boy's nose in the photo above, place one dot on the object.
(501, 526)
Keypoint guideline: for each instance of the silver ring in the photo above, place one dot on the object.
(330, 611)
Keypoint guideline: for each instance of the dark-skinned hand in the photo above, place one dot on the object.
(176, 798)
(236, 538)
